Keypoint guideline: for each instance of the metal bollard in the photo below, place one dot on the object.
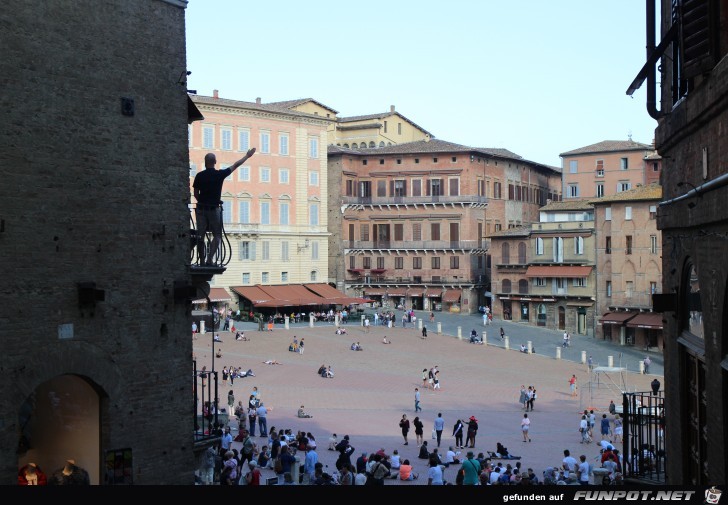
(529, 346)
(505, 342)
(558, 352)
(439, 328)
(295, 469)
(285, 320)
(485, 337)
(610, 361)
(583, 357)
(460, 332)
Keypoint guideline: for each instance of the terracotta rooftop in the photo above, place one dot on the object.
(518, 231)
(610, 146)
(649, 192)
(437, 146)
(269, 107)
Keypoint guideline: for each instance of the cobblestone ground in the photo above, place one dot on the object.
(374, 387)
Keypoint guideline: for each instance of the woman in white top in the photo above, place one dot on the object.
(525, 426)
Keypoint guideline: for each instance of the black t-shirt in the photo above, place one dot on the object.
(209, 183)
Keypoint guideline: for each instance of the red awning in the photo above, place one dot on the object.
(252, 293)
(650, 320)
(433, 293)
(452, 295)
(617, 317)
(216, 295)
(558, 271)
(396, 291)
(325, 290)
(294, 294)
(415, 291)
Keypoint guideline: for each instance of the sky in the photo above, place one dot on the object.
(537, 78)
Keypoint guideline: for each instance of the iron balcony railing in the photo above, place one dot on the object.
(410, 244)
(643, 415)
(412, 200)
(205, 404)
(416, 282)
(200, 241)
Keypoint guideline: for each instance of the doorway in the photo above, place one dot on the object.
(562, 318)
(60, 421)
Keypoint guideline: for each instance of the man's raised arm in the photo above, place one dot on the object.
(242, 160)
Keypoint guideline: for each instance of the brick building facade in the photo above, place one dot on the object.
(410, 226)
(94, 232)
(691, 108)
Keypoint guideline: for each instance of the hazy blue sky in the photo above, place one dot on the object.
(538, 78)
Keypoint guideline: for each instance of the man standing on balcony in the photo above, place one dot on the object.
(208, 191)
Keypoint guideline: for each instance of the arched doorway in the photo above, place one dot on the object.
(58, 422)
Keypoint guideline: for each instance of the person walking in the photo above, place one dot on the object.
(502, 333)
(231, 403)
(417, 400)
(439, 425)
(405, 425)
(424, 331)
(419, 430)
(618, 430)
(208, 211)
(572, 385)
(647, 362)
(531, 399)
(457, 432)
(300, 346)
(584, 430)
(436, 379)
(425, 376)
(655, 385)
(262, 412)
(525, 426)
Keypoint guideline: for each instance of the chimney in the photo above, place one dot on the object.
(257, 100)
(214, 94)
(391, 108)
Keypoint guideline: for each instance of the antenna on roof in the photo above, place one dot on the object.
(629, 135)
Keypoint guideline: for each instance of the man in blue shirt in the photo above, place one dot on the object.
(439, 425)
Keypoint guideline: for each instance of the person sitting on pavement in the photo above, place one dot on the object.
(302, 413)
(524, 348)
(474, 337)
(385, 340)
